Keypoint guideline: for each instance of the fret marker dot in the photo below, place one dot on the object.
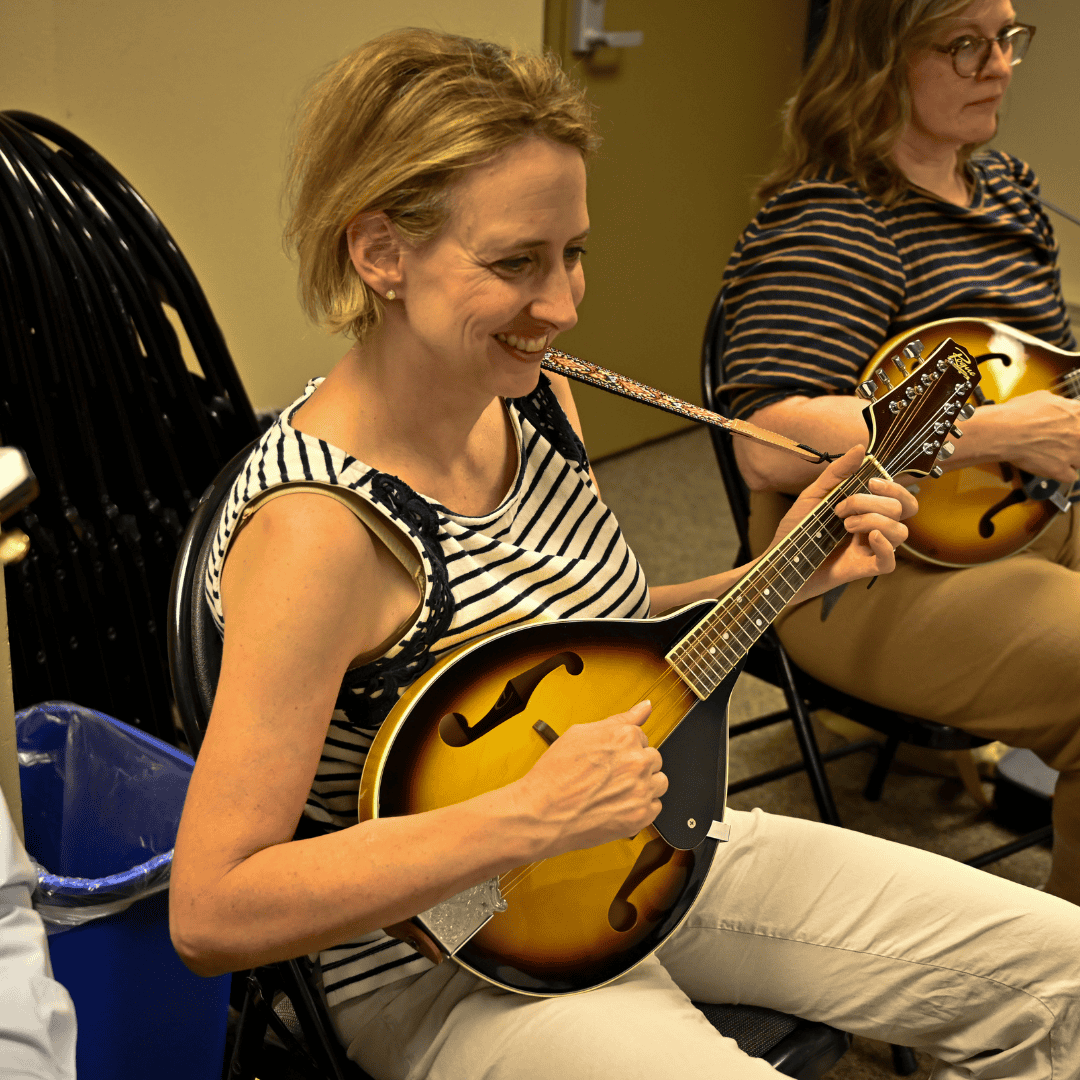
(758, 621)
(797, 558)
(725, 635)
(712, 651)
(767, 591)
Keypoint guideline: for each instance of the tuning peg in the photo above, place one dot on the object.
(955, 432)
(866, 389)
(967, 412)
(936, 471)
(947, 450)
(883, 378)
(900, 366)
(913, 351)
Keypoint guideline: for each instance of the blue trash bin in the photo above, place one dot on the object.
(101, 806)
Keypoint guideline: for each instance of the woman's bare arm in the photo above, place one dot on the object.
(306, 589)
(1039, 432)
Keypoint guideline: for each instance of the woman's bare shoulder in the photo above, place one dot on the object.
(305, 570)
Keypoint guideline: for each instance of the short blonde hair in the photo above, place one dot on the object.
(389, 128)
(853, 101)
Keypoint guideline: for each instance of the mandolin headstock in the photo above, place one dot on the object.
(910, 422)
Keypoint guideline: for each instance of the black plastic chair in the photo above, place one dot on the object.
(804, 693)
(795, 1047)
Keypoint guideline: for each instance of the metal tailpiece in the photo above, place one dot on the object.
(453, 922)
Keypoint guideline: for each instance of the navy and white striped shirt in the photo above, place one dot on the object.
(550, 550)
(825, 275)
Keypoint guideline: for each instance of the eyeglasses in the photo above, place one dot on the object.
(971, 52)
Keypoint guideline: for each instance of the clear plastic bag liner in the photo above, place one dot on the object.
(101, 806)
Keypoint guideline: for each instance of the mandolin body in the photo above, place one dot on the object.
(583, 918)
(982, 513)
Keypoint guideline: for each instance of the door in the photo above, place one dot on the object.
(691, 121)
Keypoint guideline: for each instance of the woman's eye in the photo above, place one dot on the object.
(962, 44)
(514, 266)
(572, 255)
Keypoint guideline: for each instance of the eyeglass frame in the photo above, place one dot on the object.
(988, 45)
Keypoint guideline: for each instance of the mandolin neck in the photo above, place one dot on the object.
(718, 643)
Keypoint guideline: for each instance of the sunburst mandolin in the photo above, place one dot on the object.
(482, 717)
(986, 512)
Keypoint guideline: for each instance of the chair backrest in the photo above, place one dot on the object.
(193, 639)
(712, 377)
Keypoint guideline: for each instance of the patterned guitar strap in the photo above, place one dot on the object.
(594, 375)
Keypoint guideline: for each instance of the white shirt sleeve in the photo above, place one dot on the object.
(37, 1017)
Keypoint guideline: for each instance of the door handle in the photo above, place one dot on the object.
(588, 33)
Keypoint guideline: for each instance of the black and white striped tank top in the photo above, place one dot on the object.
(550, 550)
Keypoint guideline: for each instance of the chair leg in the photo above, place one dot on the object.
(903, 1060)
(1041, 835)
(804, 732)
(876, 780)
(246, 1057)
(318, 1029)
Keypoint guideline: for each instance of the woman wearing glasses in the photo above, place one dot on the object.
(881, 218)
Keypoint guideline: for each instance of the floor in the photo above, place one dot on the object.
(670, 501)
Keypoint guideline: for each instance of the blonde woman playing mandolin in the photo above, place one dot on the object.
(881, 219)
(434, 486)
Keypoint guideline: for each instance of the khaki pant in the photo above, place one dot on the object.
(874, 937)
(993, 649)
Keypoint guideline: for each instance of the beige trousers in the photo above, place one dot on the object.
(873, 937)
(993, 649)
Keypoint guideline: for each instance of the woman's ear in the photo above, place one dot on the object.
(375, 251)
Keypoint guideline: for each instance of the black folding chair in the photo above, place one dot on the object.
(122, 435)
(795, 1047)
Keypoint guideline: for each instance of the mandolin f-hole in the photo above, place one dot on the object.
(455, 730)
(622, 915)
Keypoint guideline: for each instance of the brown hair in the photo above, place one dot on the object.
(389, 128)
(853, 101)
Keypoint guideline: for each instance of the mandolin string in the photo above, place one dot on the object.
(675, 685)
(765, 575)
(1069, 383)
(901, 437)
(770, 573)
(514, 878)
(772, 570)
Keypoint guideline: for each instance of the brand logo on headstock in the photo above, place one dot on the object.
(962, 362)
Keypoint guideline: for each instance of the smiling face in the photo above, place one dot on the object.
(486, 297)
(948, 111)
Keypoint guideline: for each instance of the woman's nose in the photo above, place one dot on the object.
(997, 64)
(558, 300)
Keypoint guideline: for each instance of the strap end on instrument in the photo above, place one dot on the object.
(817, 456)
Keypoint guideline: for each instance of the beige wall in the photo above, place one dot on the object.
(190, 101)
(1040, 121)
